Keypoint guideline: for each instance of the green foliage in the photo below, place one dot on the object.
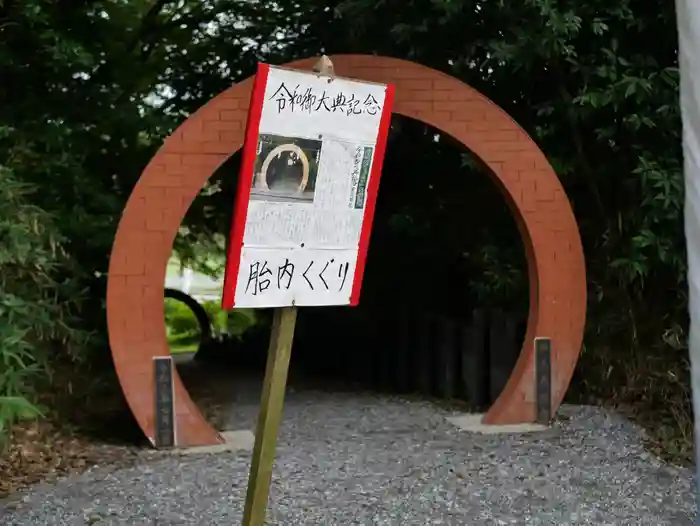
(184, 331)
(179, 318)
(35, 307)
(601, 99)
(89, 91)
(239, 321)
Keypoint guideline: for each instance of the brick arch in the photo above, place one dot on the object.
(188, 157)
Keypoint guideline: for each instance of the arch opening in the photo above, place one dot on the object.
(188, 325)
(189, 156)
(445, 262)
(213, 371)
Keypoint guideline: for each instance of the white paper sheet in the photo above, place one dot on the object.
(315, 152)
(270, 277)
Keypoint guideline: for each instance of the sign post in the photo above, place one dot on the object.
(271, 405)
(305, 200)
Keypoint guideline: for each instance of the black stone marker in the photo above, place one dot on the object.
(165, 407)
(543, 379)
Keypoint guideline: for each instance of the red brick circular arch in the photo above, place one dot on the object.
(188, 157)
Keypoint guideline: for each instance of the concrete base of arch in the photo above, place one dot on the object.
(188, 157)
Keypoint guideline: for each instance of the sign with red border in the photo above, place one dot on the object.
(307, 190)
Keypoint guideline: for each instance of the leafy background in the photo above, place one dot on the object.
(91, 87)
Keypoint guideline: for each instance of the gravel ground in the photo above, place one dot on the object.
(360, 459)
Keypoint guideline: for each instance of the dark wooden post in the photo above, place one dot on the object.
(426, 354)
(361, 350)
(474, 362)
(404, 351)
(445, 351)
(377, 358)
(415, 346)
(389, 345)
(543, 375)
(503, 353)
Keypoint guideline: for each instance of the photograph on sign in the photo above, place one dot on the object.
(285, 169)
(308, 193)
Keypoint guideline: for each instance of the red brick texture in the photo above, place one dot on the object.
(207, 138)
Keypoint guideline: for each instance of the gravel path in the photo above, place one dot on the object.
(357, 459)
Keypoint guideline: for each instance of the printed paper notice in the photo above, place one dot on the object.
(315, 151)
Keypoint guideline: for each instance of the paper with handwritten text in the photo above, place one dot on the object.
(316, 147)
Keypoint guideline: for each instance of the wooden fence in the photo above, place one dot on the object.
(414, 352)
(401, 351)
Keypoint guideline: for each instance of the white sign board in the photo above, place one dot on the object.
(307, 190)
